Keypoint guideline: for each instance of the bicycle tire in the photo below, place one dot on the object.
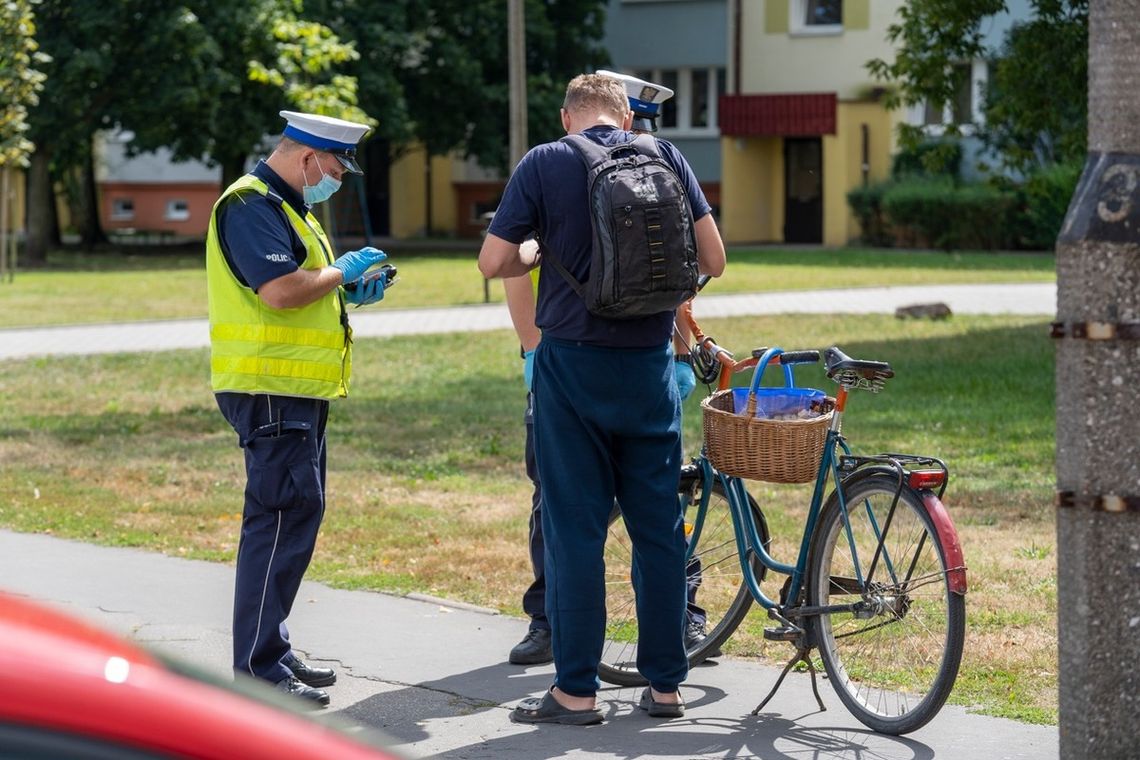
(721, 590)
(893, 663)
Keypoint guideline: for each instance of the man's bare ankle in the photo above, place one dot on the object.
(571, 702)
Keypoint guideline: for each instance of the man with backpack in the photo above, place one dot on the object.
(645, 101)
(604, 391)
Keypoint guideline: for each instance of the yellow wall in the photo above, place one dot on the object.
(752, 189)
(843, 164)
(752, 171)
(776, 59)
(407, 181)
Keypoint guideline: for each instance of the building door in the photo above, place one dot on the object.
(376, 165)
(803, 190)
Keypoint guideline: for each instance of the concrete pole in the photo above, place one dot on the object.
(1098, 428)
(516, 54)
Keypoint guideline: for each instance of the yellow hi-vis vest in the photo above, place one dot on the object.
(254, 348)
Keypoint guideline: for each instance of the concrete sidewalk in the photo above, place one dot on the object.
(434, 677)
(384, 320)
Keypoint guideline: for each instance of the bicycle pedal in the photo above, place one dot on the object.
(783, 633)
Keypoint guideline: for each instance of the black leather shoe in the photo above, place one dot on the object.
(694, 635)
(314, 697)
(534, 649)
(311, 676)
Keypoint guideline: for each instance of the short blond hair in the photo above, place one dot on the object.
(598, 93)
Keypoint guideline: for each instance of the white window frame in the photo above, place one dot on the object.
(979, 78)
(174, 214)
(798, 26)
(684, 102)
(119, 212)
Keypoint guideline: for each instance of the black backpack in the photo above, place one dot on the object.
(644, 258)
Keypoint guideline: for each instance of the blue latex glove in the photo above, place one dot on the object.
(370, 290)
(686, 379)
(354, 264)
(528, 369)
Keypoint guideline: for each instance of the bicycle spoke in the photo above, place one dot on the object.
(893, 657)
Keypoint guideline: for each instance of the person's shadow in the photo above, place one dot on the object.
(419, 715)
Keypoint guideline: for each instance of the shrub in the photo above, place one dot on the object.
(1045, 200)
(933, 158)
(866, 203)
(936, 213)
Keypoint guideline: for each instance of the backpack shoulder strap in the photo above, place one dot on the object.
(588, 150)
(646, 145)
(570, 279)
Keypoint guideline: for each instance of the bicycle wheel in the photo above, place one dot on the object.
(894, 657)
(715, 584)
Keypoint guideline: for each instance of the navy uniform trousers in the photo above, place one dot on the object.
(283, 438)
(534, 598)
(607, 424)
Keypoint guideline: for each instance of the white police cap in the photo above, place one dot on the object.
(335, 136)
(645, 99)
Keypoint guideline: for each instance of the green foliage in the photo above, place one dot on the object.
(934, 212)
(20, 81)
(435, 71)
(307, 53)
(929, 37)
(867, 204)
(1037, 99)
(929, 157)
(1043, 200)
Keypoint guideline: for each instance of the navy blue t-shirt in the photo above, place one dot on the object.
(258, 240)
(547, 194)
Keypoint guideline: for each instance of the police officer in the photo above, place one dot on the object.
(281, 348)
(606, 400)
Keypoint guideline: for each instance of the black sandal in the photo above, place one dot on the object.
(660, 709)
(547, 709)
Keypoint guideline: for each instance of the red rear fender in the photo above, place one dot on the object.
(955, 560)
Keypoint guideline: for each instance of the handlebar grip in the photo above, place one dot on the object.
(809, 356)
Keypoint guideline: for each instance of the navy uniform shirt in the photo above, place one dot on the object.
(547, 193)
(257, 238)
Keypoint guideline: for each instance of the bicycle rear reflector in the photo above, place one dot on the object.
(920, 479)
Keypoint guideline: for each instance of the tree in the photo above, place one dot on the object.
(1098, 472)
(1035, 105)
(1033, 109)
(434, 72)
(106, 58)
(205, 78)
(929, 38)
(20, 82)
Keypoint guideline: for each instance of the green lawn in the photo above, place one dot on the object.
(426, 482)
(126, 285)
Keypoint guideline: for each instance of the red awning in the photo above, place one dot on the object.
(786, 115)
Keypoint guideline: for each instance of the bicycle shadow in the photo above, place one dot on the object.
(467, 715)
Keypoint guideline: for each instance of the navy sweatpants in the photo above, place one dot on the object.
(608, 425)
(284, 443)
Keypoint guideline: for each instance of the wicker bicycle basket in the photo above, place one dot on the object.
(776, 451)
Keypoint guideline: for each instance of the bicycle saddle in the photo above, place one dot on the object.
(856, 373)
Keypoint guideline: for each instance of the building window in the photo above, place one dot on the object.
(122, 209)
(817, 16)
(692, 109)
(177, 211)
(965, 107)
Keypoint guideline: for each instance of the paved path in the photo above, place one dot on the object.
(434, 676)
(1034, 298)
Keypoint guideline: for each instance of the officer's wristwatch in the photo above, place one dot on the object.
(683, 359)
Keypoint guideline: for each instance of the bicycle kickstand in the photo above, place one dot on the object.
(803, 654)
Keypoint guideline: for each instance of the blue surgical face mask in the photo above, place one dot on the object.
(321, 191)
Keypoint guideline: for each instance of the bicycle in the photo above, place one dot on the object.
(878, 584)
